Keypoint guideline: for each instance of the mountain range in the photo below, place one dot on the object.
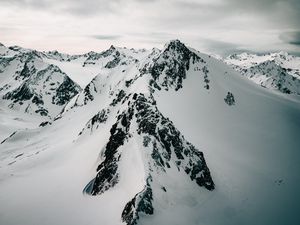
(160, 136)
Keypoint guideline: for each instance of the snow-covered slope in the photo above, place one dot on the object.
(170, 136)
(278, 71)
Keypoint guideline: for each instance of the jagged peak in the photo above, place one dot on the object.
(178, 50)
(17, 48)
(91, 53)
(155, 49)
(54, 52)
(29, 55)
(14, 48)
(249, 55)
(242, 55)
(112, 48)
(57, 53)
(284, 53)
(175, 45)
(109, 51)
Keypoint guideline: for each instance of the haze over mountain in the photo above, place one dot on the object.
(160, 136)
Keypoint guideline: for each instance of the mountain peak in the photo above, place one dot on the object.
(54, 52)
(283, 53)
(175, 45)
(112, 48)
(173, 63)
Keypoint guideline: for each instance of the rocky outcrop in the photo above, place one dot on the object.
(168, 148)
(169, 69)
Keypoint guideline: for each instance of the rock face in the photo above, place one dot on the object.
(169, 69)
(65, 92)
(167, 147)
(141, 203)
(229, 99)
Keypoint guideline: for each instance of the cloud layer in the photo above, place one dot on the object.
(216, 26)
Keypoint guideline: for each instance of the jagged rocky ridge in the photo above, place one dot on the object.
(167, 148)
(169, 69)
(139, 118)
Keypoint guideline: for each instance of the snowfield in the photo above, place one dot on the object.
(147, 137)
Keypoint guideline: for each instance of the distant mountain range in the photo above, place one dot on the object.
(278, 71)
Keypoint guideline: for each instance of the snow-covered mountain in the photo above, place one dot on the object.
(30, 85)
(278, 71)
(169, 136)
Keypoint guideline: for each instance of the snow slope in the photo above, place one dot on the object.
(252, 147)
(128, 149)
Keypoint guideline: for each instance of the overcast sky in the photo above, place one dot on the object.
(214, 26)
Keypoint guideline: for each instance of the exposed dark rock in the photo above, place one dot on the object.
(8, 137)
(108, 52)
(229, 99)
(141, 203)
(121, 94)
(87, 94)
(206, 80)
(286, 90)
(151, 122)
(128, 82)
(65, 92)
(100, 117)
(45, 123)
(26, 72)
(107, 175)
(97, 119)
(22, 93)
(37, 100)
(146, 141)
(173, 62)
(42, 111)
(113, 63)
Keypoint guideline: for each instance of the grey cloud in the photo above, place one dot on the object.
(292, 37)
(74, 7)
(221, 47)
(27, 3)
(157, 21)
(106, 37)
(283, 13)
